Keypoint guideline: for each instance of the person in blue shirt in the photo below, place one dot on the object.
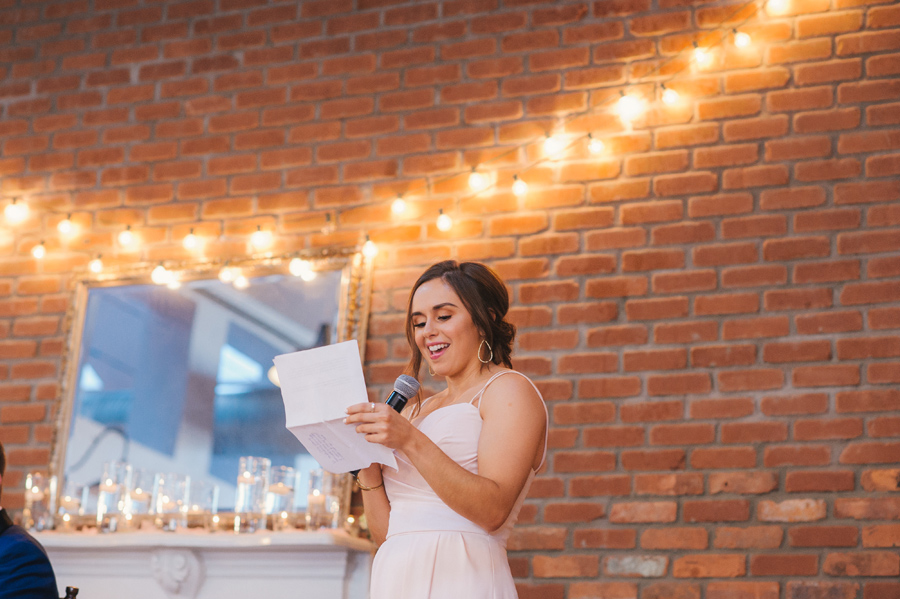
(25, 571)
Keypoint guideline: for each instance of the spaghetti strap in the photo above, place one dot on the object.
(541, 397)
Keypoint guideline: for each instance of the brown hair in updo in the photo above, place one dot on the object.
(484, 296)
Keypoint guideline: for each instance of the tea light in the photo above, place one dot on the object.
(316, 499)
(69, 503)
(35, 493)
(279, 489)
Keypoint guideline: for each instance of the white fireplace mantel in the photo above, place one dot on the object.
(159, 565)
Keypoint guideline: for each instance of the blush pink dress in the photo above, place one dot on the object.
(431, 552)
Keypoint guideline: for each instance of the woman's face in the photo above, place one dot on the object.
(444, 331)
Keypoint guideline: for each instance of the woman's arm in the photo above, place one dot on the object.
(375, 502)
(510, 444)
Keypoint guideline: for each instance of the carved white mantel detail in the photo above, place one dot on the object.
(178, 571)
(160, 565)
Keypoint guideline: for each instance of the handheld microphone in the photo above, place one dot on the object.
(405, 387)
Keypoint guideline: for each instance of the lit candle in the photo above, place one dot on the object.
(279, 489)
(35, 493)
(315, 500)
(69, 503)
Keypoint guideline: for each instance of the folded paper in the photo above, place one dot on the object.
(317, 386)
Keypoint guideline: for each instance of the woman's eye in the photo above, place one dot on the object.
(445, 317)
(418, 325)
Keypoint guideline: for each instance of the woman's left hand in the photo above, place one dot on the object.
(380, 424)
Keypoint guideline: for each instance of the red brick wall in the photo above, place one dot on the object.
(710, 308)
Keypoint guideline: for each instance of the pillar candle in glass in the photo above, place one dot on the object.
(326, 502)
(114, 480)
(71, 506)
(280, 497)
(171, 498)
(204, 504)
(40, 501)
(139, 495)
(250, 497)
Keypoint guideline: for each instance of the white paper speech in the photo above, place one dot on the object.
(317, 386)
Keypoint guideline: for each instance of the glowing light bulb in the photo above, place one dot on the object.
(519, 187)
(553, 145)
(444, 222)
(126, 237)
(15, 212)
(261, 239)
(302, 268)
(190, 241)
(369, 249)
(95, 265)
(701, 56)
(477, 181)
(742, 39)
(669, 96)
(398, 206)
(595, 146)
(630, 107)
(296, 266)
(777, 7)
(241, 282)
(39, 251)
(227, 274)
(160, 275)
(65, 226)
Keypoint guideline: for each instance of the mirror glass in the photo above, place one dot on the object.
(181, 380)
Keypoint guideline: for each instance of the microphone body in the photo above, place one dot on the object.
(396, 401)
(404, 387)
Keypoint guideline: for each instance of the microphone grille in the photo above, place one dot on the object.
(406, 386)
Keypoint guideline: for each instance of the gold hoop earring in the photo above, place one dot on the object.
(430, 371)
(491, 358)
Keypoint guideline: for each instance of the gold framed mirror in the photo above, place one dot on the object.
(169, 368)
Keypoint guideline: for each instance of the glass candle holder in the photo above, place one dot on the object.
(280, 497)
(203, 505)
(138, 496)
(40, 498)
(171, 498)
(326, 501)
(114, 481)
(250, 497)
(72, 502)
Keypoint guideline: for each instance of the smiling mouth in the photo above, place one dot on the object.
(436, 350)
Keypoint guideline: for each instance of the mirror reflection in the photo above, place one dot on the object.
(181, 380)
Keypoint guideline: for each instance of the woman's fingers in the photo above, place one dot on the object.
(378, 422)
(363, 412)
(361, 408)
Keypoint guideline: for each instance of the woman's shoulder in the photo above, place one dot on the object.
(514, 385)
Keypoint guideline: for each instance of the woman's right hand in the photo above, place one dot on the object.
(381, 424)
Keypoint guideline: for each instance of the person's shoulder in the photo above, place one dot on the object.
(16, 541)
(515, 386)
(25, 570)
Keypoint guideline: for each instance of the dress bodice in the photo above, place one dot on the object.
(415, 507)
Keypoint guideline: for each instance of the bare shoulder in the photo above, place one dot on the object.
(512, 391)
